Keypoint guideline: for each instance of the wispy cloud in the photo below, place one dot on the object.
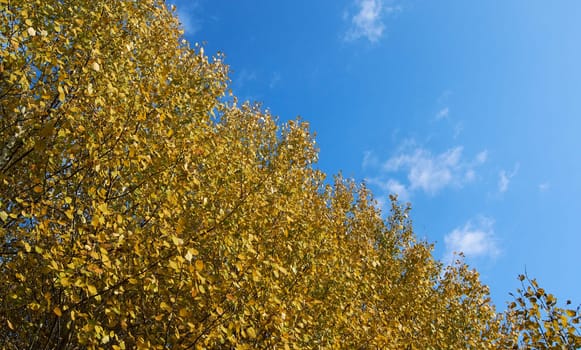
(367, 22)
(244, 77)
(503, 181)
(443, 113)
(391, 186)
(482, 157)
(458, 127)
(544, 187)
(415, 169)
(431, 173)
(369, 160)
(274, 80)
(475, 239)
(185, 11)
(395, 187)
(504, 178)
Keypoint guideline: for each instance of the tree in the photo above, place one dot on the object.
(143, 208)
(535, 321)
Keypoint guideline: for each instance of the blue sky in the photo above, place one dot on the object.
(469, 110)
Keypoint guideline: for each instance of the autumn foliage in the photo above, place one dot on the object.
(142, 207)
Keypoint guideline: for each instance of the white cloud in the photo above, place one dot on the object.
(443, 113)
(413, 169)
(185, 12)
(503, 181)
(369, 160)
(482, 157)
(474, 240)
(395, 187)
(504, 178)
(274, 80)
(368, 21)
(458, 128)
(431, 173)
(244, 77)
(390, 186)
(544, 187)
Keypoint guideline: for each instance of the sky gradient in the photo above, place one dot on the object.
(471, 111)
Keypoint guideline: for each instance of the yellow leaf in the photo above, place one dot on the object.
(91, 289)
(95, 66)
(64, 282)
(62, 95)
(251, 332)
(164, 306)
(255, 275)
(199, 265)
(188, 256)
(103, 208)
(177, 241)
(57, 311)
(173, 264)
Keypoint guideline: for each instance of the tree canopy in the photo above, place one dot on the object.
(141, 206)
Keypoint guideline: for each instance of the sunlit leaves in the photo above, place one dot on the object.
(535, 320)
(140, 208)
